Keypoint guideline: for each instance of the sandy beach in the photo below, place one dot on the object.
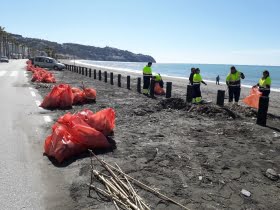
(201, 157)
(179, 86)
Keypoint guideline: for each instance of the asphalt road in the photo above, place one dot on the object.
(27, 179)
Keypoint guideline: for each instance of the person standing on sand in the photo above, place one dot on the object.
(197, 79)
(233, 82)
(147, 75)
(218, 80)
(191, 76)
(264, 84)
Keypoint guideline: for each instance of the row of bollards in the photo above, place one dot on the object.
(262, 110)
(88, 73)
(263, 101)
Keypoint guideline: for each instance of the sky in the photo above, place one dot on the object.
(172, 31)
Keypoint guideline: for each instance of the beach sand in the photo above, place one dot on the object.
(201, 157)
(179, 86)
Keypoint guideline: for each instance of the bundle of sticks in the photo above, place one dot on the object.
(117, 186)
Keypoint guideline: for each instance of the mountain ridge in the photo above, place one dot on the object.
(85, 52)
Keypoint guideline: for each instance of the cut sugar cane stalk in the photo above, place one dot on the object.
(108, 195)
(123, 197)
(138, 199)
(114, 202)
(140, 184)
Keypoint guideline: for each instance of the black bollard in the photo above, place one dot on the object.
(128, 82)
(139, 84)
(220, 97)
(86, 72)
(152, 88)
(94, 74)
(119, 80)
(168, 89)
(111, 78)
(83, 70)
(89, 72)
(189, 94)
(105, 76)
(76, 69)
(262, 111)
(99, 75)
(80, 70)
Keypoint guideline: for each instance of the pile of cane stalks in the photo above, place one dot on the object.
(117, 186)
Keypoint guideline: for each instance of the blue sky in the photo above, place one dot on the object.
(192, 31)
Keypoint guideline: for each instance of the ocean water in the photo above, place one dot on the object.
(208, 71)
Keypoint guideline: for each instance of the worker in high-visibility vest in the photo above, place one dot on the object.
(158, 79)
(233, 82)
(197, 80)
(264, 84)
(147, 75)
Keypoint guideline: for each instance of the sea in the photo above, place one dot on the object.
(209, 72)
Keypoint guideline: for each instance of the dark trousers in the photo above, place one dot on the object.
(196, 91)
(161, 83)
(234, 91)
(146, 82)
(264, 92)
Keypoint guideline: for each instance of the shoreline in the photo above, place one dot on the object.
(179, 87)
(138, 72)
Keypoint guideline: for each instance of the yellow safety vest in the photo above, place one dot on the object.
(234, 79)
(263, 82)
(157, 78)
(147, 71)
(197, 79)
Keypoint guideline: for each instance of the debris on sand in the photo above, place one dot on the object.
(118, 187)
(43, 85)
(271, 174)
(172, 103)
(212, 110)
(246, 193)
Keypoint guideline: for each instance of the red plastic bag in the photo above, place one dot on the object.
(61, 144)
(79, 96)
(60, 97)
(103, 121)
(158, 90)
(71, 135)
(253, 99)
(90, 93)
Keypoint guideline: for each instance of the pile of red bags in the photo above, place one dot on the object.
(40, 74)
(73, 134)
(64, 96)
(253, 99)
(158, 90)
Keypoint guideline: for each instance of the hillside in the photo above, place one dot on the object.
(83, 51)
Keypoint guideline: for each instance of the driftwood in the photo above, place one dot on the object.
(125, 192)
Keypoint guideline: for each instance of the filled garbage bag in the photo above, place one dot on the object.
(90, 94)
(103, 121)
(79, 96)
(61, 145)
(253, 99)
(61, 96)
(158, 90)
(72, 135)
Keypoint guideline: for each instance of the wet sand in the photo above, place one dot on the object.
(201, 156)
